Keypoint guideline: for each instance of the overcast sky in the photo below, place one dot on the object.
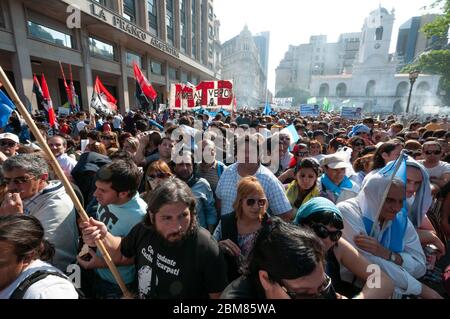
(292, 22)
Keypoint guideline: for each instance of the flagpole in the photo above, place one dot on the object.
(386, 191)
(59, 172)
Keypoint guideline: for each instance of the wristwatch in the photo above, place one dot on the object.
(392, 257)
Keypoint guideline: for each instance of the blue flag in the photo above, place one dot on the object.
(6, 108)
(267, 109)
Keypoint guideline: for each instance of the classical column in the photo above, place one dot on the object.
(124, 99)
(86, 79)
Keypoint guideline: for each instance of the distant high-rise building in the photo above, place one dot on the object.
(242, 63)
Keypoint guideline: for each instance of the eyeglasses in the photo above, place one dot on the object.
(412, 153)
(18, 180)
(252, 201)
(358, 144)
(7, 143)
(301, 154)
(436, 152)
(323, 292)
(323, 232)
(156, 175)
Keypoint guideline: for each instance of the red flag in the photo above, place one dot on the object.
(66, 87)
(48, 105)
(102, 100)
(146, 87)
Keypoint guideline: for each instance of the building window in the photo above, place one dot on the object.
(2, 17)
(172, 74)
(194, 28)
(210, 51)
(183, 77)
(47, 34)
(129, 10)
(210, 12)
(370, 88)
(194, 80)
(169, 20)
(379, 34)
(156, 68)
(183, 41)
(134, 57)
(152, 15)
(102, 2)
(101, 49)
(211, 32)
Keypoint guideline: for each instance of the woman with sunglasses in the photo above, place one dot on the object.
(357, 144)
(324, 218)
(156, 173)
(304, 187)
(236, 231)
(111, 142)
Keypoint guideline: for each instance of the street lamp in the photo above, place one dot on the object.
(413, 75)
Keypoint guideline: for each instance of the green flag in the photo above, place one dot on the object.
(326, 105)
(312, 100)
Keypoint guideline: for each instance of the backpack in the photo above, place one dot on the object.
(20, 291)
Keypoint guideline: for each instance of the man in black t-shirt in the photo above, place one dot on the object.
(174, 257)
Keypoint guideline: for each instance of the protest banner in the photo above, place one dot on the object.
(351, 112)
(309, 110)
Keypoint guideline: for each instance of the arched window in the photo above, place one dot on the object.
(423, 88)
(402, 89)
(370, 88)
(324, 90)
(379, 34)
(399, 107)
(341, 90)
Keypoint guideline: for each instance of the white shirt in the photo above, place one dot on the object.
(67, 163)
(81, 125)
(440, 169)
(51, 287)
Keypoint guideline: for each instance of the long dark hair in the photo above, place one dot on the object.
(171, 190)
(26, 234)
(285, 251)
(388, 147)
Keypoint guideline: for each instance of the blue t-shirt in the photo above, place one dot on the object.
(120, 219)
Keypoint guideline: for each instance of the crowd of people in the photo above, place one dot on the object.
(240, 205)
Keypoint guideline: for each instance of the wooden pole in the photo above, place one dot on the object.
(43, 144)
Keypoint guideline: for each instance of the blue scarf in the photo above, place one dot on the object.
(335, 189)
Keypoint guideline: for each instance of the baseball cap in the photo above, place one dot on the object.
(9, 136)
(335, 161)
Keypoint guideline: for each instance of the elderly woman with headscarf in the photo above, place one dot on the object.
(325, 219)
(419, 200)
(395, 245)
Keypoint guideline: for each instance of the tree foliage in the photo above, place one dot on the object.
(300, 95)
(436, 61)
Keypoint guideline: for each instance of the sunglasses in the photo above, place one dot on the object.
(323, 232)
(8, 143)
(301, 154)
(109, 138)
(252, 201)
(156, 175)
(413, 153)
(324, 291)
(433, 152)
(17, 180)
(358, 144)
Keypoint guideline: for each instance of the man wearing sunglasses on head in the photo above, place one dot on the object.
(9, 145)
(438, 170)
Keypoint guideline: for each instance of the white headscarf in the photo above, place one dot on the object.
(422, 199)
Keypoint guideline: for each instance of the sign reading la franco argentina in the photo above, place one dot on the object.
(120, 23)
